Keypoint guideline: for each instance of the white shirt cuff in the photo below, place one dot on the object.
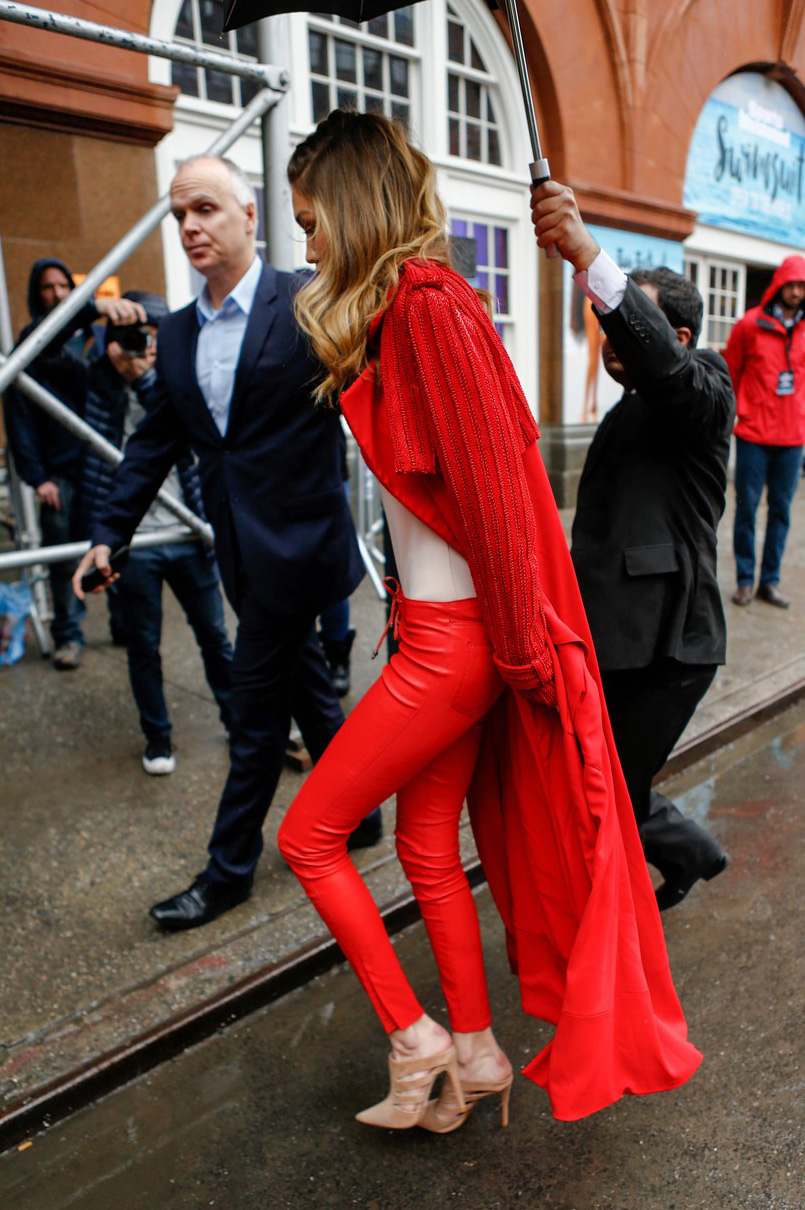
(603, 283)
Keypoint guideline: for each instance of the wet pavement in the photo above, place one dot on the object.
(90, 841)
(261, 1115)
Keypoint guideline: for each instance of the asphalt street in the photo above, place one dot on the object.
(261, 1116)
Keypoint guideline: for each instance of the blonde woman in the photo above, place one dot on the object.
(493, 696)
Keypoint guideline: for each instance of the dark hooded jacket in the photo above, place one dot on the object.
(760, 348)
(43, 449)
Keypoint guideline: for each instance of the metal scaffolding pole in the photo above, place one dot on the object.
(110, 453)
(67, 551)
(58, 318)
(272, 48)
(76, 27)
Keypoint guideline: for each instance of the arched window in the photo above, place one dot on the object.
(199, 24)
(472, 124)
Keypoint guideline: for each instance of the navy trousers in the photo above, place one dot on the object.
(278, 671)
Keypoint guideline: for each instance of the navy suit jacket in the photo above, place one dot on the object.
(272, 483)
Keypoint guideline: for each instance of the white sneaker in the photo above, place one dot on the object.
(159, 759)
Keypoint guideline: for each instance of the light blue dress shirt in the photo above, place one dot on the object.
(219, 340)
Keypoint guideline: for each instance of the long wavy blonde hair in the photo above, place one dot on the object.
(375, 203)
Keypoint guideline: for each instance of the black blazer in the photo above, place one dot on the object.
(651, 496)
(272, 484)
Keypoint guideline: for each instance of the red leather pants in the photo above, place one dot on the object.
(417, 732)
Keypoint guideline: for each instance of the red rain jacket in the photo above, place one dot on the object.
(446, 429)
(758, 350)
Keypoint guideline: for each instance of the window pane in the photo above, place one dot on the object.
(490, 111)
(473, 141)
(501, 248)
(321, 100)
(379, 26)
(455, 42)
(346, 67)
(483, 278)
(402, 112)
(502, 292)
(452, 93)
(185, 77)
(455, 136)
(248, 91)
(473, 93)
(346, 98)
(481, 233)
(324, 16)
(399, 76)
(246, 40)
(219, 87)
(458, 226)
(318, 53)
(212, 19)
(475, 59)
(373, 69)
(373, 103)
(493, 155)
(404, 26)
(184, 26)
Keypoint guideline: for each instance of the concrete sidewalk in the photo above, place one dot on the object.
(91, 841)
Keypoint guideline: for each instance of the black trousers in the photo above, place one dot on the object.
(649, 709)
(278, 671)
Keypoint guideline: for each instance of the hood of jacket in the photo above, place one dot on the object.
(792, 269)
(35, 306)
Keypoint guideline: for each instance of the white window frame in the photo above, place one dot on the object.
(713, 316)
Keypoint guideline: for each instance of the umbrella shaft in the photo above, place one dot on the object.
(522, 71)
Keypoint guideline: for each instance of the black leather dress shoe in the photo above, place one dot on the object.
(199, 904)
(772, 595)
(669, 894)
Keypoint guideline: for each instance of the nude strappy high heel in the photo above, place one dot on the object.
(446, 1114)
(411, 1081)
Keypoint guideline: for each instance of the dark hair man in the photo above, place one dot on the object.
(766, 357)
(233, 383)
(47, 456)
(644, 537)
(122, 391)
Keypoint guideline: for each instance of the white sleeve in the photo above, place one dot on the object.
(603, 283)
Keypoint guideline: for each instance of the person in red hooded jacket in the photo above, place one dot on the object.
(766, 358)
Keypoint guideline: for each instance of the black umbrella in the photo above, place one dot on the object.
(243, 12)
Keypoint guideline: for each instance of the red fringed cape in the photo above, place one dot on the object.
(446, 429)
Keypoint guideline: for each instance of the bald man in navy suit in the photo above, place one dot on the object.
(234, 378)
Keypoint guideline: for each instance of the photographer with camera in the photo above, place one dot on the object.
(120, 394)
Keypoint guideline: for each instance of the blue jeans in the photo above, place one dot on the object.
(59, 526)
(778, 468)
(193, 577)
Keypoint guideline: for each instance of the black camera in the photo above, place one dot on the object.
(134, 339)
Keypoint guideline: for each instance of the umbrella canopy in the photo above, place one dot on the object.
(242, 12)
(238, 13)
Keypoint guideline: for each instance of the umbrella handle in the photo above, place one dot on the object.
(540, 173)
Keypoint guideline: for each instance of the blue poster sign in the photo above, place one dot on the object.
(631, 250)
(746, 164)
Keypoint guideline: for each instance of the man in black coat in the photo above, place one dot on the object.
(234, 381)
(644, 537)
